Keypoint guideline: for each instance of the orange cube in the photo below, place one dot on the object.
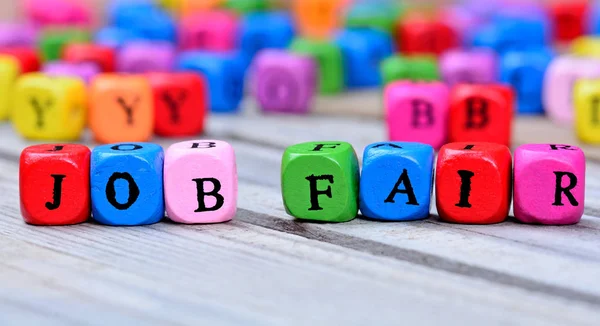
(188, 7)
(318, 18)
(121, 108)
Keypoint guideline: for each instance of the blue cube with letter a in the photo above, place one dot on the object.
(127, 184)
(396, 181)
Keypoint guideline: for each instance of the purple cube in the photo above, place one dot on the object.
(477, 66)
(83, 70)
(284, 82)
(144, 56)
(17, 34)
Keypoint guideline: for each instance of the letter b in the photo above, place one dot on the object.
(200, 180)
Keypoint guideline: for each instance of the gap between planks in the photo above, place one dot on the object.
(408, 255)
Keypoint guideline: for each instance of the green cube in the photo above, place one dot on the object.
(329, 60)
(247, 6)
(52, 41)
(382, 16)
(417, 68)
(319, 181)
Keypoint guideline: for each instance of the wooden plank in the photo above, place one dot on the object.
(357, 117)
(532, 264)
(236, 273)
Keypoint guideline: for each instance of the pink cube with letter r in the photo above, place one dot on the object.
(211, 30)
(477, 66)
(284, 82)
(417, 112)
(200, 182)
(549, 184)
(560, 77)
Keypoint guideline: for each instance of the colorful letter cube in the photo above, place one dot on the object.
(284, 82)
(9, 71)
(569, 19)
(127, 184)
(586, 95)
(560, 77)
(505, 34)
(114, 37)
(481, 113)
(103, 56)
(224, 73)
(17, 35)
(145, 20)
(54, 184)
(48, 108)
(396, 181)
(84, 70)
(57, 12)
(200, 182)
(133, 57)
(180, 103)
(478, 66)
(121, 108)
(329, 59)
(319, 181)
(189, 7)
(525, 70)
(473, 183)
(549, 186)
(373, 15)
(586, 46)
(28, 58)
(120, 12)
(317, 18)
(210, 31)
(265, 30)
(53, 41)
(417, 112)
(247, 6)
(417, 68)
(420, 35)
(363, 51)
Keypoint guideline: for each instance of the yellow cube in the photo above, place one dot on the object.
(172, 6)
(49, 108)
(9, 71)
(586, 95)
(586, 46)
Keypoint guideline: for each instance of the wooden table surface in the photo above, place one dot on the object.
(264, 268)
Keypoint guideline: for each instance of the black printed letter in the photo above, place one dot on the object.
(57, 192)
(111, 193)
(422, 109)
(206, 144)
(477, 108)
(408, 190)
(465, 188)
(319, 147)
(314, 192)
(213, 193)
(567, 191)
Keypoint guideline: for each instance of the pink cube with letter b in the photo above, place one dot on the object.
(549, 184)
(417, 112)
(212, 30)
(200, 182)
